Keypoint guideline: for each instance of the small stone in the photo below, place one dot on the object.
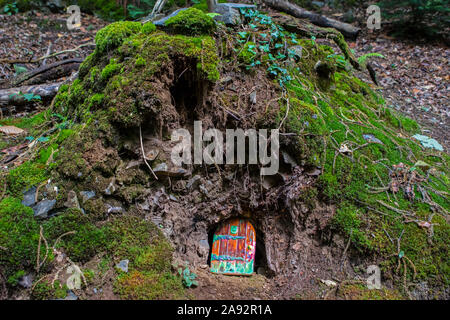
(72, 200)
(203, 190)
(329, 283)
(43, 207)
(26, 281)
(203, 248)
(253, 97)
(71, 296)
(123, 265)
(314, 172)
(230, 12)
(152, 154)
(204, 243)
(261, 271)
(226, 79)
(173, 198)
(87, 195)
(110, 189)
(114, 209)
(349, 17)
(371, 138)
(29, 197)
(162, 22)
(319, 4)
(288, 159)
(193, 182)
(161, 168)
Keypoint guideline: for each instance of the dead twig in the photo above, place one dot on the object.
(143, 154)
(47, 55)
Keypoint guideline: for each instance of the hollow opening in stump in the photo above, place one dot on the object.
(187, 90)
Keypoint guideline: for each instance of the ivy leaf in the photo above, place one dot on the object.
(43, 139)
(243, 34)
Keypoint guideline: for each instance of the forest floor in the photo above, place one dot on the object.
(414, 79)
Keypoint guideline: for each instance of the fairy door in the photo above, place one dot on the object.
(233, 248)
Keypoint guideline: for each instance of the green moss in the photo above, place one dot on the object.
(361, 292)
(60, 291)
(64, 134)
(247, 53)
(87, 240)
(112, 68)
(347, 220)
(14, 279)
(191, 22)
(113, 35)
(150, 257)
(148, 286)
(43, 291)
(28, 123)
(45, 153)
(25, 176)
(140, 61)
(19, 235)
(148, 27)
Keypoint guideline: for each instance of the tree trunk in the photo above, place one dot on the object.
(212, 5)
(346, 29)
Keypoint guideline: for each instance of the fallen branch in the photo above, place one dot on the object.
(12, 96)
(346, 29)
(11, 61)
(47, 72)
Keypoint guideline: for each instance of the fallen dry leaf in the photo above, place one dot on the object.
(11, 130)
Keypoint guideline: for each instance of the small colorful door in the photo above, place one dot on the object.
(233, 248)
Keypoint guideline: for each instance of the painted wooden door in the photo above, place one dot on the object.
(233, 248)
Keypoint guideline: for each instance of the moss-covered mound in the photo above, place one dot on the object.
(350, 170)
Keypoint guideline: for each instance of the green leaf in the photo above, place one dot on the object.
(19, 69)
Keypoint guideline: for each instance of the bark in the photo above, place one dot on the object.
(47, 72)
(212, 5)
(12, 96)
(346, 29)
